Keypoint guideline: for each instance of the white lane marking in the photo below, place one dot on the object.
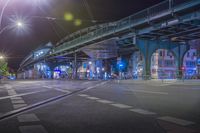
(65, 91)
(92, 98)
(85, 83)
(97, 85)
(18, 101)
(49, 87)
(191, 88)
(150, 92)
(176, 120)
(29, 82)
(162, 85)
(142, 111)
(122, 106)
(17, 106)
(24, 94)
(28, 118)
(105, 101)
(32, 129)
(83, 95)
(16, 98)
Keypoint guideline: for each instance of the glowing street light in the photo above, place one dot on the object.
(19, 24)
(90, 63)
(37, 3)
(1, 57)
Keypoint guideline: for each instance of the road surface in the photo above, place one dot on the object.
(55, 106)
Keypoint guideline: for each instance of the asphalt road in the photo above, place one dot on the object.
(53, 106)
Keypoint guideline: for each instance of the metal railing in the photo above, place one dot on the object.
(159, 10)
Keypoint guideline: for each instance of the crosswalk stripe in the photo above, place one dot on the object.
(32, 129)
(24, 94)
(16, 98)
(28, 118)
(17, 106)
(18, 101)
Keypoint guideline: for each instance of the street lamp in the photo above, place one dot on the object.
(17, 24)
(90, 63)
(1, 57)
(5, 5)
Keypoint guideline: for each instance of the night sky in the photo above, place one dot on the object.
(16, 45)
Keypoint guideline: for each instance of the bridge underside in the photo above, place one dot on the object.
(102, 50)
(181, 32)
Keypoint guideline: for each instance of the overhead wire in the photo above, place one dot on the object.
(88, 9)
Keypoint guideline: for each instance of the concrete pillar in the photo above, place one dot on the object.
(198, 58)
(179, 52)
(137, 65)
(148, 47)
(75, 66)
(147, 61)
(180, 63)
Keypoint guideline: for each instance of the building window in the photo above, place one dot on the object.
(169, 63)
(190, 64)
(160, 62)
(160, 53)
(188, 54)
(194, 54)
(168, 53)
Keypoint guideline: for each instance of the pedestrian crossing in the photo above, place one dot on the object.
(26, 119)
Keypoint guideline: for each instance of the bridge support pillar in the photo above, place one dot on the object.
(179, 53)
(148, 47)
(75, 66)
(198, 64)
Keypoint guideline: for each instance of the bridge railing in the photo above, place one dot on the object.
(180, 2)
(157, 11)
(162, 7)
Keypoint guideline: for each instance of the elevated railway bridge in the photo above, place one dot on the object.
(169, 25)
